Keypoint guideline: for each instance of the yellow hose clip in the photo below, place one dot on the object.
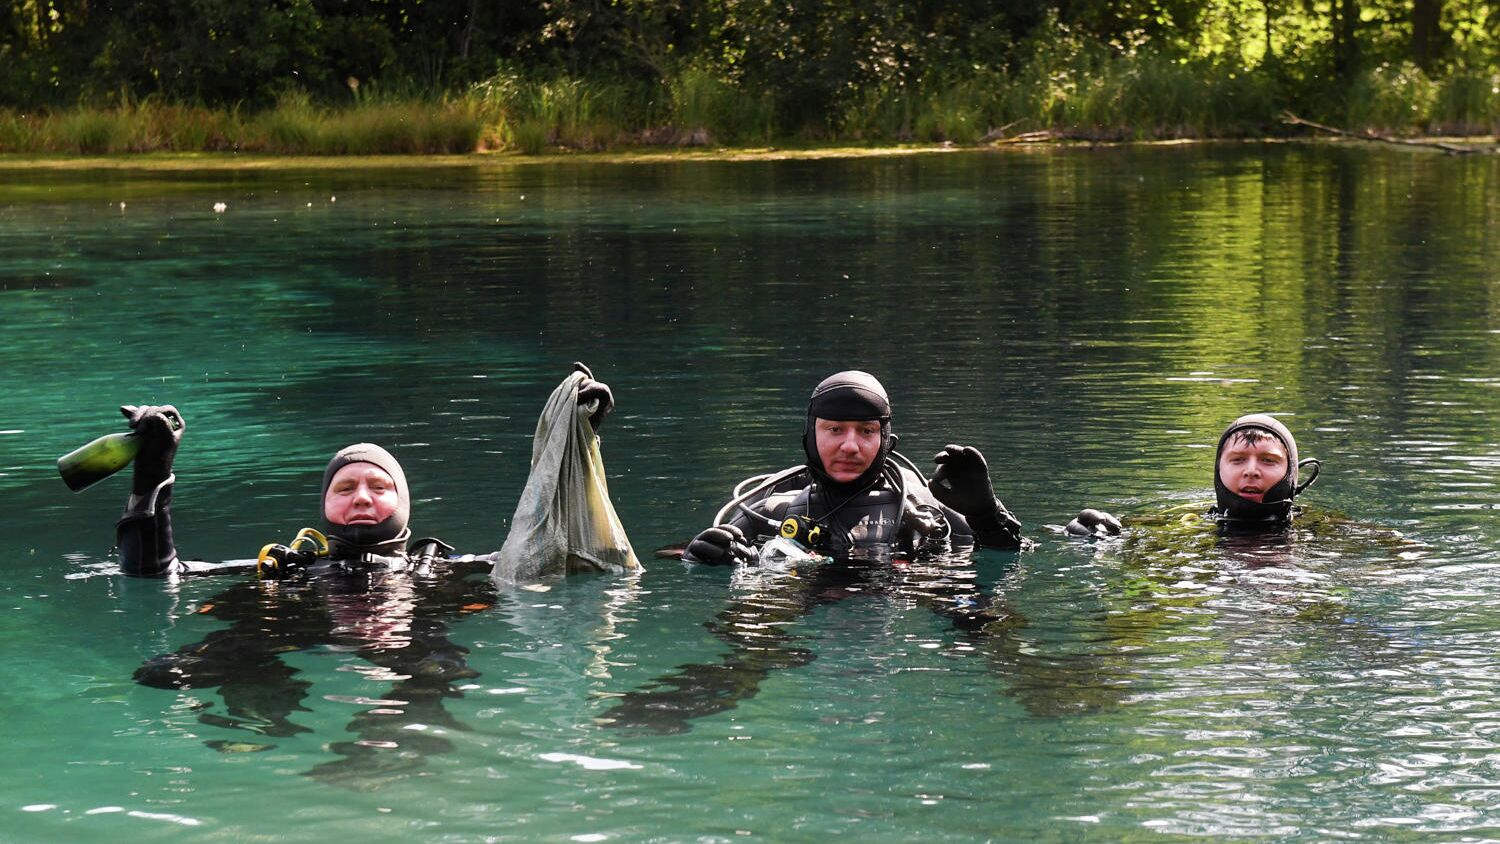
(315, 537)
(264, 556)
(273, 557)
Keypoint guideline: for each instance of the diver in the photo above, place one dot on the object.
(365, 504)
(1256, 479)
(359, 585)
(856, 496)
(856, 500)
(1253, 555)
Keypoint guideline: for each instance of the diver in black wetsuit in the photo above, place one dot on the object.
(893, 534)
(1256, 479)
(371, 594)
(371, 530)
(855, 497)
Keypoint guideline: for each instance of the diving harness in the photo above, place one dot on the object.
(310, 545)
(800, 538)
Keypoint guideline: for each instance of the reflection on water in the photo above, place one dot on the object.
(396, 623)
(756, 627)
(1089, 319)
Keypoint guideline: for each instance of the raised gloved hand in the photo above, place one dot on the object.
(590, 390)
(160, 430)
(719, 546)
(1093, 524)
(962, 481)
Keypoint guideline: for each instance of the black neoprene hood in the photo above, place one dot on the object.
(382, 537)
(850, 396)
(1277, 502)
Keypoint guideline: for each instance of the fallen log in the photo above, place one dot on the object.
(1451, 149)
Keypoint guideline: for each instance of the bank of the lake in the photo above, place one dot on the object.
(168, 163)
(1140, 98)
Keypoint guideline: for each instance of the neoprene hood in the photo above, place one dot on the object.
(1277, 503)
(387, 537)
(852, 396)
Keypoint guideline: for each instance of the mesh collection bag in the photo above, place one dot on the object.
(564, 521)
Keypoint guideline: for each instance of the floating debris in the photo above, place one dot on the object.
(239, 746)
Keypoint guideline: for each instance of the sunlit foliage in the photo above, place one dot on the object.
(593, 72)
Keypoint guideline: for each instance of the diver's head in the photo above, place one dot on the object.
(847, 448)
(847, 434)
(1255, 470)
(1251, 463)
(365, 502)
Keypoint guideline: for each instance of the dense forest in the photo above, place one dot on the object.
(589, 73)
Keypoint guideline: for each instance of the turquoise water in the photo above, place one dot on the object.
(1090, 319)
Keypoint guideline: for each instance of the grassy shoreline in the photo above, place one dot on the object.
(228, 161)
(1078, 98)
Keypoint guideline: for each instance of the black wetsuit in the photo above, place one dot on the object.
(375, 593)
(393, 611)
(146, 547)
(883, 518)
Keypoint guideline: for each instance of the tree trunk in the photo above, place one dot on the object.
(1345, 45)
(1270, 12)
(469, 29)
(1428, 40)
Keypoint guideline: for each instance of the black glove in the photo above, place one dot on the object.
(718, 546)
(160, 430)
(1093, 523)
(962, 481)
(919, 522)
(589, 390)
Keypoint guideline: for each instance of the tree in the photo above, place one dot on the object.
(1428, 39)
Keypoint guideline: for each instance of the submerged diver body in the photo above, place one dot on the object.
(371, 591)
(1185, 581)
(887, 529)
(1257, 476)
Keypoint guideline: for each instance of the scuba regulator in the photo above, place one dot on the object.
(804, 531)
(276, 560)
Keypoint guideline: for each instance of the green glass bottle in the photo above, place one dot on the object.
(85, 466)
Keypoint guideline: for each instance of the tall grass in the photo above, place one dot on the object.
(961, 111)
(1071, 89)
(1078, 95)
(531, 115)
(706, 109)
(1085, 93)
(293, 127)
(371, 127)
(1401, 98)
(1389, 96)
(1467, 103)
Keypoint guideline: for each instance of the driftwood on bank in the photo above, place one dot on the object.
(997, 133)
(1451, 149)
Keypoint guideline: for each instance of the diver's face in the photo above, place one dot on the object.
(1250, 469)
(360, 494)
(846, 448)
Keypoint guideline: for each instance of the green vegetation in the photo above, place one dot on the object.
(453, 76)
(293, 127)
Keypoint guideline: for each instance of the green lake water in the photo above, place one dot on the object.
(1089, 319)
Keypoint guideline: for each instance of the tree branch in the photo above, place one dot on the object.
(1451, 149)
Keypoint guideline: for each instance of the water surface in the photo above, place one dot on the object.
(1090, 319)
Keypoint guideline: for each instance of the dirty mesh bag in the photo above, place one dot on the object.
(564, 521)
